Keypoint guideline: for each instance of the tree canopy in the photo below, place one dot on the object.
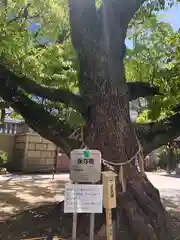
(39, 71)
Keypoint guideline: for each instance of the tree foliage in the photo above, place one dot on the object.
(154, 59)
(38, 47)
(20, 42)
(35, 45)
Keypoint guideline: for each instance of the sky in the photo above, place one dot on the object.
(172, 16)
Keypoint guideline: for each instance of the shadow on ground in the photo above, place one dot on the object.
(19, 193)
(51, 218)
(44, 220)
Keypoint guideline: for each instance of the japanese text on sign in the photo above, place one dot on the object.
(85, 166)
(82, 198)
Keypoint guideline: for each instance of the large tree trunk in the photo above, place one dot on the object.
(98, 38)
(139, 211)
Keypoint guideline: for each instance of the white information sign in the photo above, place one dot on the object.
(85, 166)
(83, 198)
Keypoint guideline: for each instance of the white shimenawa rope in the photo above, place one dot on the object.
(80, 136)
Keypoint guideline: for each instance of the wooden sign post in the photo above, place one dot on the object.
(109, 196)
(84, 198)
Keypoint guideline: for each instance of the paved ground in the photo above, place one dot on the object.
(169, 187)
(20, 192)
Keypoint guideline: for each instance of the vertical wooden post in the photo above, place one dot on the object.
(74, 230)
(91, 232)
(109, 197)
(74, 225)
(141, 163)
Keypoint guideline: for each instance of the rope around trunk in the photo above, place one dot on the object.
(78, 134)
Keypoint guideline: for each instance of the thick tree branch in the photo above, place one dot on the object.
(124, 9)
(151, 135)
(84, 21)
(141, 89)
(157, 134)
(47, 125)
(115, 16)
(30, 86)
(128, 8)
(136, 90)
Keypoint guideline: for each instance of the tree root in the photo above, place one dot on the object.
(147, 218)
(138, 222)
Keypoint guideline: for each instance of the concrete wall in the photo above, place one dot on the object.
(19, 152)
(29, 152)
(40, 154)
(7, 144)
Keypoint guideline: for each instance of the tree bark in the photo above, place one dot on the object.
(30, 86)
(101, 50)
(135, 89)
(156, 134)
(141, 89)
(110, 130)
(46, 124)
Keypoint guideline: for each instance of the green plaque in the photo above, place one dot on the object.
(86, 154)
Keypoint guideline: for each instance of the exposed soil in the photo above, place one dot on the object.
(50, 219)
(43, 221)
(44, 215)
